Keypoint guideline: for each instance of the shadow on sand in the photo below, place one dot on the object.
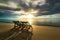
(19, 32)
(14, 35)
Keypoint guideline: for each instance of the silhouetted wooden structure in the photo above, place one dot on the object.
(19, 32)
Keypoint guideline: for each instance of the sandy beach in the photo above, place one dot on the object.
(39, 32)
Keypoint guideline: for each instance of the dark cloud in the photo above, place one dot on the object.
(3, 1)
(52, 8)
(5, 13)
(6, 2)
(8, 16)
(8, 8)
(52, 1)
(19, 3)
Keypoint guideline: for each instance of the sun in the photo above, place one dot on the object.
(28, 18)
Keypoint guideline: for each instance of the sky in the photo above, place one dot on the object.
(39, 10)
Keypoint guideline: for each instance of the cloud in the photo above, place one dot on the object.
(9, 5)
(4, 1)
(7, 14)
(8, 8)
(52, 8)
(23, 4)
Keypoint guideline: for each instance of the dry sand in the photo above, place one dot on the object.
(46, 33)
(5, 26)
